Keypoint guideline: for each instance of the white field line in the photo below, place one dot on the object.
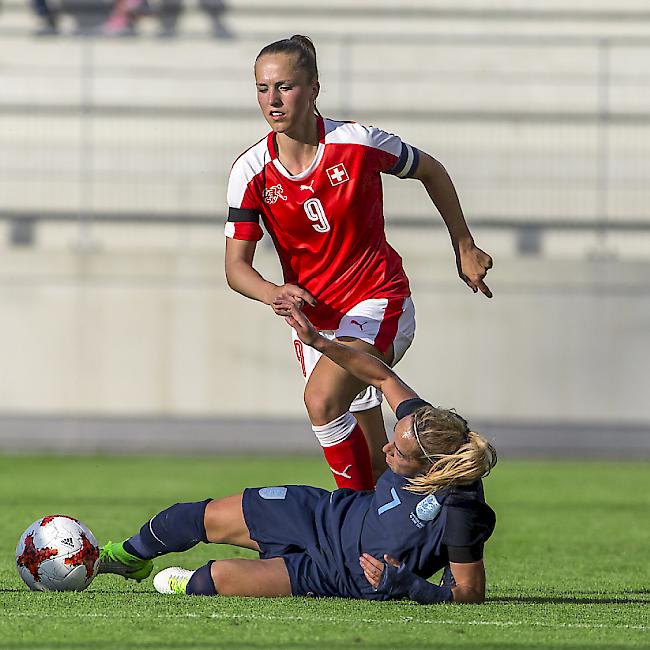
(330, 619)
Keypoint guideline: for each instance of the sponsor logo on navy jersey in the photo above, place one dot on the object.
(426, 510)
(337, 174)
(415, 520)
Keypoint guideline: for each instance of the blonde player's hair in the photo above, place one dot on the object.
(457, 455)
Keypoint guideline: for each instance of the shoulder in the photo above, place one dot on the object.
(341, 132)
(245, 168)
(251, 162)
(469, 519)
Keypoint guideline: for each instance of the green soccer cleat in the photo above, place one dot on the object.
(114, 559)
(172, 580)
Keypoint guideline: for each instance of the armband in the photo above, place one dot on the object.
(400, 582)
(409, 406)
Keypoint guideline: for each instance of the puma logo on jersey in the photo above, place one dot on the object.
(272, 194)
(344, 473)
(309, 187)
(356, 322)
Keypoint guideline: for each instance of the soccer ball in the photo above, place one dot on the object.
(57, 553)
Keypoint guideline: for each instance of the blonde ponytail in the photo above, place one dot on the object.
(457, 455)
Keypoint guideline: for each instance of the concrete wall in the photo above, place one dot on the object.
(160, 333)
(535, 113)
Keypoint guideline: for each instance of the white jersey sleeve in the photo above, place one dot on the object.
(407, 156)
(243, 202)
(389, 153)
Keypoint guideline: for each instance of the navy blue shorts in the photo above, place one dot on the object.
(281, 520)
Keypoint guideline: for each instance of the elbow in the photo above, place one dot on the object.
(232, 275)
(465, 596)
(478, 599)
(230, 280)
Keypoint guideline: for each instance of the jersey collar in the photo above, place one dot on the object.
(272, 147)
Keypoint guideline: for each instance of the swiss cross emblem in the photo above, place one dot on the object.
(337, 174)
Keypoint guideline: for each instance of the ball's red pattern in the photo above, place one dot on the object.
(32, 557)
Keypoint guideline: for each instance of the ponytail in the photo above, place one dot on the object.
(457, 455)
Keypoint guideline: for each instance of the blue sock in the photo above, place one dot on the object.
(176, 529)
(201, 583)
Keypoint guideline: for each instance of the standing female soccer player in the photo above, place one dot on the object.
(316, 185)
(427, 512)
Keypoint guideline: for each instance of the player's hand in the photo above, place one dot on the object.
(293, 294)
(306, 332)
(373, 568)
(473, 265)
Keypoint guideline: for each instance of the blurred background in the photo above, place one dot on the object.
(118, 125)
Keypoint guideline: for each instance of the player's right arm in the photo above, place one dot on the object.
(243, 278)
(362, 365)
(240, 274)
(243, 231)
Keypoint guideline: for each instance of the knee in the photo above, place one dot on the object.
(224, 577)
(215, 520)
(224, 521)
(322, 405)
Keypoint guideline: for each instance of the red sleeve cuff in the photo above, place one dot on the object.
(245, 230)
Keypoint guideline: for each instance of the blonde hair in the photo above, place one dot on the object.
(457, 455)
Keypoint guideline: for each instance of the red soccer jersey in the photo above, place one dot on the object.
(327, 223)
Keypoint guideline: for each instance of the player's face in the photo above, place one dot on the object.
(284, 93)
(403, 454)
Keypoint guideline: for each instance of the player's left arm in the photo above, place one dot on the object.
(470, 581)
(472, 263)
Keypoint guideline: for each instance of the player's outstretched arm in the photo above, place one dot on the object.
(243, 278)
(472, 263)
(364, 366)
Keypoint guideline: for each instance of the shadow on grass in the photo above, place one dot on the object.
(642, 597)
(265, 644)
(564, 600)
(111, 592)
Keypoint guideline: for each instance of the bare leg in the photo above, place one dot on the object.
(240, 577)
(225, 524)
(330, 391)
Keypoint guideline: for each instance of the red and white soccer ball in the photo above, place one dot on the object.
(57, 553)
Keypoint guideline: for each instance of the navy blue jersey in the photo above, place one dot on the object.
(332, 529)
(410, 527)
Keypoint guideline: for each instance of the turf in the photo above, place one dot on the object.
(567, 566)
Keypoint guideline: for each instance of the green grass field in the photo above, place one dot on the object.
(568, 565)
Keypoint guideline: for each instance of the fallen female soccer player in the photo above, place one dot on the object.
(427, 513)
